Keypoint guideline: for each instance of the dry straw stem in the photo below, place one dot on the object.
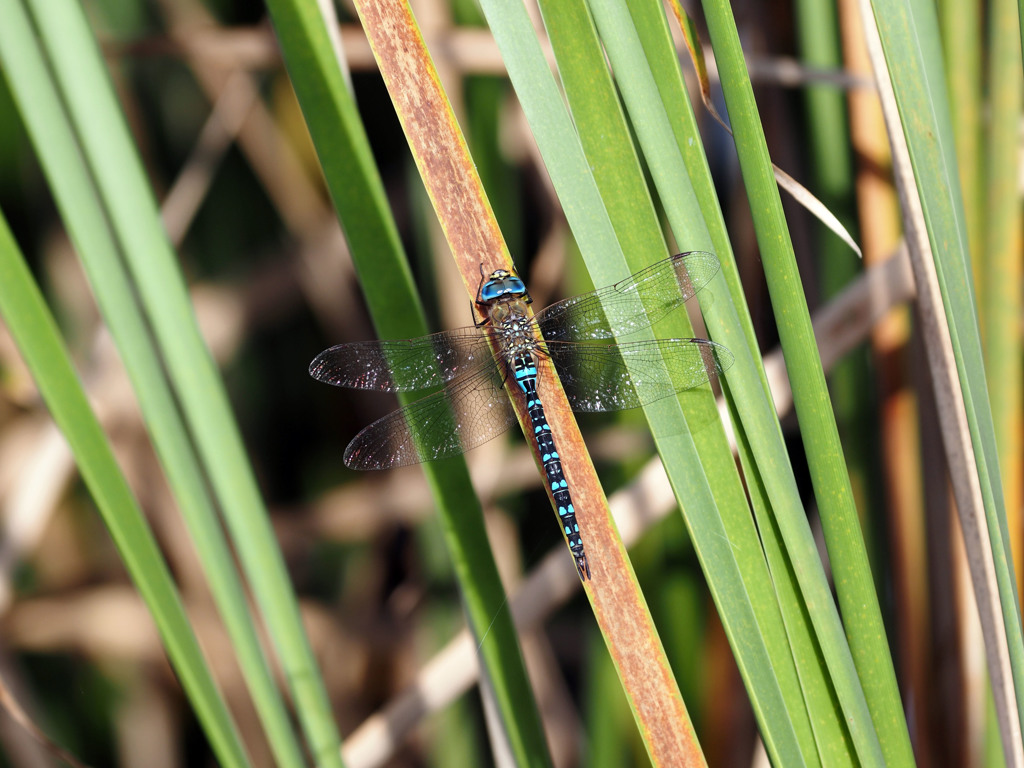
(839, 327)
(454, 187)
(951, 409)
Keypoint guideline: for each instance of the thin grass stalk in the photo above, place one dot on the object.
(961, 27)
(900, 444)
(1001, 278)
(35, 332)
(964, 40)
(128, 199)
(816, 602)
(902, 51)
(86, 222)
(847, 555)
(595, 109)
(1003, 271)
(931, 154)
(854, 392)
(748, 399)
(830, 168)
(794, 528)
(908, 31)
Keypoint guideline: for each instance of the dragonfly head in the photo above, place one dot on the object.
(502, 285)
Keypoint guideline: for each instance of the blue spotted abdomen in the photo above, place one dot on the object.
(524, 367)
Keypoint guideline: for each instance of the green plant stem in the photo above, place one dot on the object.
(35, 332)
(87, 224)
(848, 557)
(118, 174)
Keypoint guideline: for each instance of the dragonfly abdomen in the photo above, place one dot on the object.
(524, 367)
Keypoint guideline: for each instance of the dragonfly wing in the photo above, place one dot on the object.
(629, 305)
(403, 365)
(614, 377)
(466, 413)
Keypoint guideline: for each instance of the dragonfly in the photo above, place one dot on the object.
(470, 366)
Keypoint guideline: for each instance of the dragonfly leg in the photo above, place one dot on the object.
(480, 287)
(478, 323)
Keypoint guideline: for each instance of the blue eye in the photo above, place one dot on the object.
(492, 290)
(496, 288)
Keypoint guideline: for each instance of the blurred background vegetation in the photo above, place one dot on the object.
(226, 149)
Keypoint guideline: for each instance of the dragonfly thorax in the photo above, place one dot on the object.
(511, 323)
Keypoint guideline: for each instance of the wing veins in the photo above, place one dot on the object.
(403, 364)
(629, 305)
(466, 413)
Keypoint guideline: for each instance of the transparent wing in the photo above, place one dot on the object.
(631, 304)
(614, 377)
(466, 413)
(403, 365)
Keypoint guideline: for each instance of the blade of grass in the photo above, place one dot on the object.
(674, 151)
(668, 147)
(705, 479)
(119, 176)
(359, 198)
(76, 197)
(961, 27)
(35, 332)
(863, 622)
(900, 438)
(1002, 268)
(830, 166)
(908, 37)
